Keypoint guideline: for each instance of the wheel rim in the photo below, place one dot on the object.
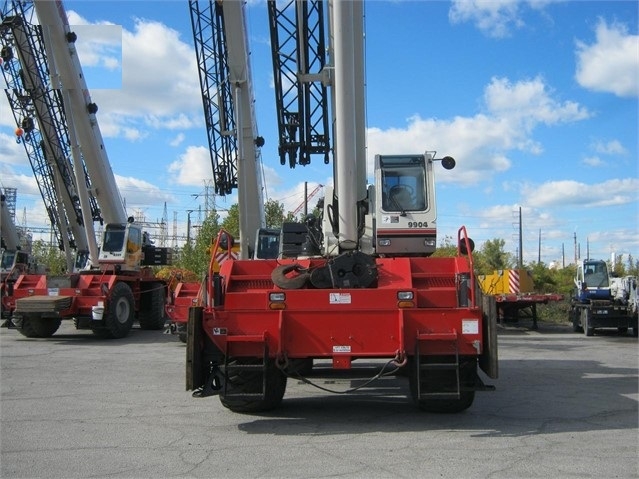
(122, 310)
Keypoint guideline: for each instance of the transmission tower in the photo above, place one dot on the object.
(175, 232)
(164, 227)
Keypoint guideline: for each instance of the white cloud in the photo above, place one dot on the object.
(159, 76)
(11, 152)
(99, 44)
(25, 184)
(192, 167)
(495, 18)
(594, 161)
(569, 192)
(177, 141)
(481, 144)
(613, 147)
(611, 64)
(137, 193)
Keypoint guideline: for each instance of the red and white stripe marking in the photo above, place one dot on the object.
(513, 281)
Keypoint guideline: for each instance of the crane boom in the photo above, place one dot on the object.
(39, 112)
(300, 77)
(222, 49)
(80, 111)
(10, 238)
(306, 200)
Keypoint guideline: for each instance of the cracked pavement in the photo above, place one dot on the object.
(76, 406)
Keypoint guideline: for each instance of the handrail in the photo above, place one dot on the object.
(468, 244)
(216, 246)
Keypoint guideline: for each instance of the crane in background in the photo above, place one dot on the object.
(224, 70)
(222, 52)
(304, 204)
(38, 110)
(119, 287)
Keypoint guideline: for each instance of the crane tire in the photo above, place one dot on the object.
(119, 314)
(151, 314)
(251, 382)
(37, 327)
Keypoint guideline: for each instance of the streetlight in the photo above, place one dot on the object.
(188, 226)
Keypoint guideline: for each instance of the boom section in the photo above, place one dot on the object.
(222, 50)
(298, 42)
(80, 111)
(39, 113)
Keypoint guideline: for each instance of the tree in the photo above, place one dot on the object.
(544, 279)
(196, 257)
(632, 266)
(446, 249)
(232, 221)
(49, 256)
(492, 256)
(274, 214)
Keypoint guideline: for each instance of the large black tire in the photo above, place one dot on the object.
(574, 318)
(468, 373)
(250, 382)
(585, 323)
(151, 314)
(119, 313)
(36, 327)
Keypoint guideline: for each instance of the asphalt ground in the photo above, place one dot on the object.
(75, 406)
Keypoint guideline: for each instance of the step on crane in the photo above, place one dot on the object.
(358, 287)
(120, 286)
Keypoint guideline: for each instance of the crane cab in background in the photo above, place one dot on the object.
(267, 243)
(405, 210)
(592, 280)
(126, 246)
(14, 261)
(122, 246)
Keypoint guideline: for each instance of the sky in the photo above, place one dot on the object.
(536, 100)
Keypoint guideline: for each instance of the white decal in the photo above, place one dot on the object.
(341, 349)
(470, 326)
(339, 298)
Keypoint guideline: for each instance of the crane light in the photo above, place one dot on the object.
(19, 132)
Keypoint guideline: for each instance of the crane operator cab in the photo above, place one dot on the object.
(405, 220)
(592, 280)
(122, 245)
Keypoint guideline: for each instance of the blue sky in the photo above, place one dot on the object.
(537, 102)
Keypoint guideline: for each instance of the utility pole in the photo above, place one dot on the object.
(521, 244)
(539, 248)
(188, 226)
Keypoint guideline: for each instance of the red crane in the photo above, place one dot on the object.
(307, 199)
